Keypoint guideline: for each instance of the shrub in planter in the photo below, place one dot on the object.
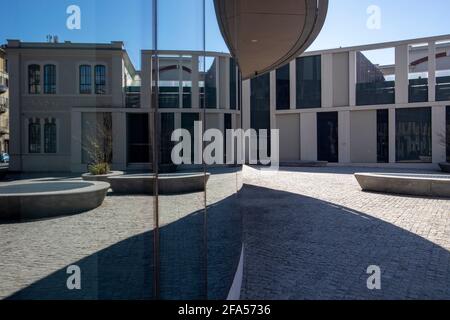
(98, 169)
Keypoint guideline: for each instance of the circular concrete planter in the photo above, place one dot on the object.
(171, 183)
(428, 185)
(101, 178)
(445, 167)
(37, 200)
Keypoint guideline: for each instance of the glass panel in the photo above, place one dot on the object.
(413, 138)
(327, 137)
(375, 76)
(50, 137)
(169, 82)
(138, 138)
(309, 82)
(34, 136)
(447, 138)
(383, 136)
(210, 77)
(49, 79)
(85, 79)
(34, 79)
(260, 105)
(283, 88)
(442, 71)
(418, 73)
(100, 79)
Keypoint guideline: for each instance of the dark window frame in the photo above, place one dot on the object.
(50, 79)
(100, 79)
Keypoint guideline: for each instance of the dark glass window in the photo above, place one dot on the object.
(167, 128)
(34, 79)
(85, 79)
(138, 138)
(447, 139)
(187, 122)
(413, 135)
(260, 105)
(187, 97)
(372, 87)
(383, 136)
(327, 137)
(100, 79)
(283, 88)
(418, 90)
(227, 126)
(443, 88)
(309, 82)
(233, 84)
(211, 87)
(169, 97)
(50, 136)
(50, 79)
(34, 136)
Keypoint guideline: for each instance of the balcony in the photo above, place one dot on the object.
(4, 103)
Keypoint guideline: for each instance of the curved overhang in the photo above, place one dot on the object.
(265, 34)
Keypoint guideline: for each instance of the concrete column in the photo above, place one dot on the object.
(293, 84)
(308, 136)
(432, 71)
(438, 121)
(119, 124)
(327, 80)
(16, 123)
(218, 88)
(352, 79)
(225, 78)
(273, 99)
(116, 87)
(177, 120)
(195, 83)
(75, 147)
(401, 74)
(392, 137)
(344, 136)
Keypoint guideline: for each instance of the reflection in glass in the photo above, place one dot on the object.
(383, 136)
(375, 81)
(327, 137)
(413, 138)
(283, 88)
(447, 135)
(309, 82)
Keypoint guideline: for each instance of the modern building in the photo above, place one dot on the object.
(62, 93)
(384, 104)
(4, 103)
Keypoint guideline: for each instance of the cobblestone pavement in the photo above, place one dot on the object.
(312, 233)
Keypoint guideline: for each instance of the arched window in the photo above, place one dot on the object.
(85, 79)
(50, 136)
(34, 136)
(100, 79)
(50, 79)
(34, 79)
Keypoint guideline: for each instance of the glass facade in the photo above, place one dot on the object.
(327, 137)
(413, 135)
(138, 138)
(382, 136)
(373, 85)
(283, 88)
(309, 82)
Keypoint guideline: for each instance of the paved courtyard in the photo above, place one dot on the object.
(312, 233)
(309, 233)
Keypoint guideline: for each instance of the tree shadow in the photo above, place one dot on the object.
(298, 247)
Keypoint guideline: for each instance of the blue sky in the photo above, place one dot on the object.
(180, 24)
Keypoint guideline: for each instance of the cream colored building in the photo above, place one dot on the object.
(4, 103)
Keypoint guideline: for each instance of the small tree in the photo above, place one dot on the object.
(98, 145)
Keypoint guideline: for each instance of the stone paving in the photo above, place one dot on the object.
(312, 233)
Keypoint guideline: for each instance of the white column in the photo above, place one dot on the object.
(352, 78)
(308, 136)
(432, 71)
(392, 137)
(116, 86)
(146, 81)
(195, 83)
(226, 84)
(401, 74)
(273, 99)
(119, 124)
(293, 84)
(327, 80)
(75, 148)
(438, 121)
(344, 136)
(246, 104)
